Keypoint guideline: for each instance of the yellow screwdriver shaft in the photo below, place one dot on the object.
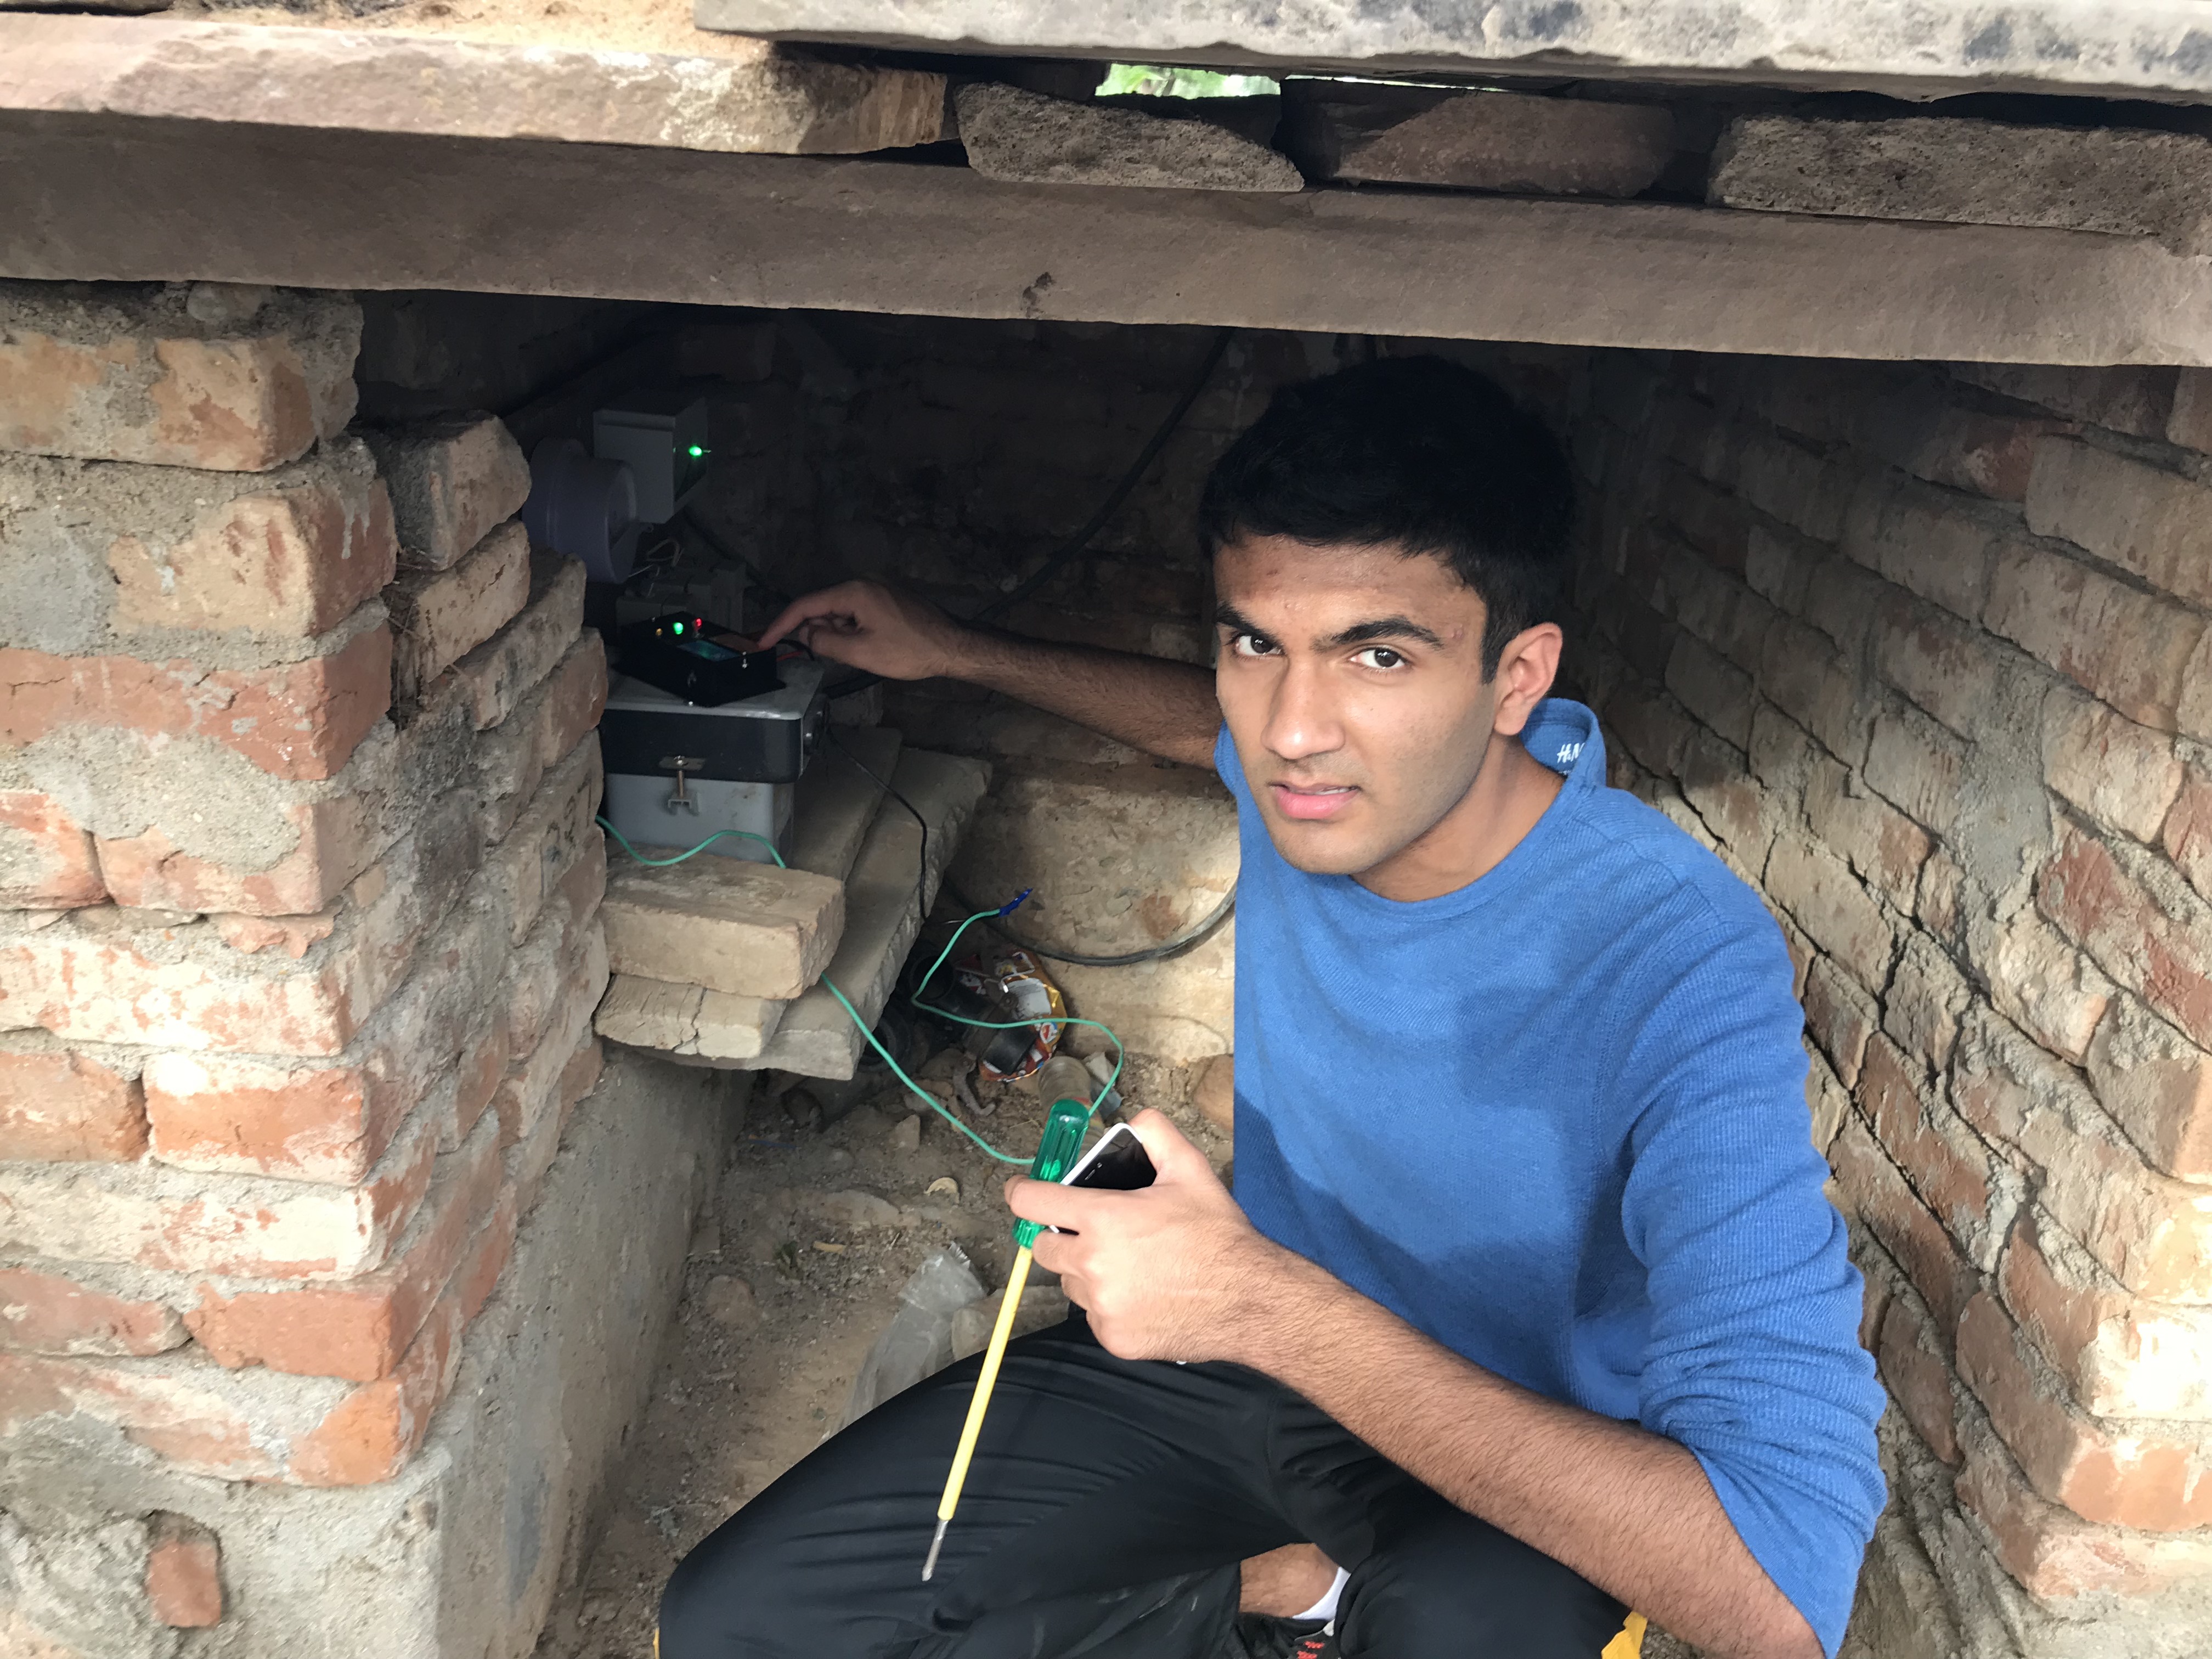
(978, 1403)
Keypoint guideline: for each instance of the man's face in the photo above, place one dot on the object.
(1351, 682)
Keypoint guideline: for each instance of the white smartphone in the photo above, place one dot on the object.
(1117, 1163)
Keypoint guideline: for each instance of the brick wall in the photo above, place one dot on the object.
(300, 946)
(1924, 653)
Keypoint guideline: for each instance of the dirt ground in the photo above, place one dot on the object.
(784, 1293)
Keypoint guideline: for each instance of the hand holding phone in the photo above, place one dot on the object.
(1118, 1163)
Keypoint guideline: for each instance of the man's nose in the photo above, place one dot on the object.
(1301, 721)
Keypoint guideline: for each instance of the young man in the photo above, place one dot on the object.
(1527, 1310)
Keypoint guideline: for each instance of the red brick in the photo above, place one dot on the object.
(61, 1105)
(47, 861)
(1955, 1174)
(1709, 519)
(50, 1313)
(2145, 520)
(1911, 1355)
(184, 1573)
(452, 481)
(150, 1217)
(160, 1405)
(359, 1327)
(2056, 1556)
(497, 675)
(1918, 765)
(1963, 448)
(1882, 845)
(1712, 688)
(1947, 667)
(2122, 1356)
(2157, 1085)
(122, 374)
(2119, 773)
(2186, 834)
(1810, 683)
(1926, 996)
(371, 1434)
(293, 561)
(2135, 1478)
(294, 935)
(299, 719)
(1885, 1204)
(2125, 398)
(1841, 1017)
(337, 840)
(2125, 647)
(438, 617)
(1927, 542)
(2151, 1233)
(511, 759)
(1830, 904)
(480, 1070)
(2143, 924)
(2038, 979)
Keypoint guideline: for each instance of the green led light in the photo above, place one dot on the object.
(679, 628)
(696, 452)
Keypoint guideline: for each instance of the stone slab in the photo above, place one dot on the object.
(1028, 139)
(2120, 181)
(835, 801)
(725, 924)
(95, 198)
(766, 100)
(818, 1037)
(687, 1020)
(1475, 140)
(2050, 46)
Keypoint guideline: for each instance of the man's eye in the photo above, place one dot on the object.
(1378, 656)
(1251, 645)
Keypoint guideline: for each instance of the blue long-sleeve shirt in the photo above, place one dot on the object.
(1556, 1120)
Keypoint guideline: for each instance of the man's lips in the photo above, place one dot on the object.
(1313, 800)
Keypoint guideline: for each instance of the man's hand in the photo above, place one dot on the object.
(1171, 1272)
(868, 626)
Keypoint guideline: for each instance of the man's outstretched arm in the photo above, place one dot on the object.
(1176, 1271)
(1164, 709)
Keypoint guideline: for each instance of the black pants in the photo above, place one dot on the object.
(1108, 1506)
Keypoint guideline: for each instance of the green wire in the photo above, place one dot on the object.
(898, 1070)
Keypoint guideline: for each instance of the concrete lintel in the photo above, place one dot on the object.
(91, 197)
(1911, 48)
(754, 98)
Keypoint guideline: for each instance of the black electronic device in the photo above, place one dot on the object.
(673, 653)
(1117, 1163)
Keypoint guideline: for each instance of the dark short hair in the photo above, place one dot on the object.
(1416, 454)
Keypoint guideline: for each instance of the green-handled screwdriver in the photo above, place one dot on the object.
(1056, 1155)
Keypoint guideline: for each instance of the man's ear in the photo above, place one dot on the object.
(1525, 672)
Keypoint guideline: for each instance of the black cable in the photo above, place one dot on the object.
(1191, 936)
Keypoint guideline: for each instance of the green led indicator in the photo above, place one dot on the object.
(679, 628)
(696, 452)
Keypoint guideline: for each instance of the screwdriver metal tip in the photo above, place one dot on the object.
(929, 1567)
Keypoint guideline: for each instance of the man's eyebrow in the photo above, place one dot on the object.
(1228, 617)
(1382, 628)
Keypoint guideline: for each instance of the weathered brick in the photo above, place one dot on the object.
(1842, 600)
(1943, 665)
(1910, 1353)
(163, 1404)
(512, 757)
(151, 1216)
(1937, 903)
(1915, 764)
(1841, 1017)
(66, 1106)
(2135, 1479)
(565, 944)
(531, 1089)
(1651, 726)
(129, 373)
(184, 1573)
(2157, 1084)
(103, 974)
(533, 1157)
(2131, 399)
(47, 861)
(1884, 1201)
(552, 837)
(1717, 780)
(1709, 519)
(1830, 904)
(1924, 540)
(1786, 481)
(1963, 448)
(2151, 1233)
(2126, 647)
(2193, 715)
(298, 720)
(727, 924)
(2186, 834)
(2122, 1356)
(452, 480)
(2121, 773)
(2055, 1555)
(2141, 518)
(332, 1120)
(1811, 683)
(2038, 979)
(438, 617)
(336, 839)
(498, 674)
(53, 1313)
(1972, 1191)
(1778, 567)
(2143, 925)
(1826, 1100)
(1883, 846)
(1926, 997)
(359, 1327)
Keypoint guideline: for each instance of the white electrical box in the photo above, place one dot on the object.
(662, 438)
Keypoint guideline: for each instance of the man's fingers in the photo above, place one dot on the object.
(839, 604)
(1172, 1156)
(1054, 1205)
